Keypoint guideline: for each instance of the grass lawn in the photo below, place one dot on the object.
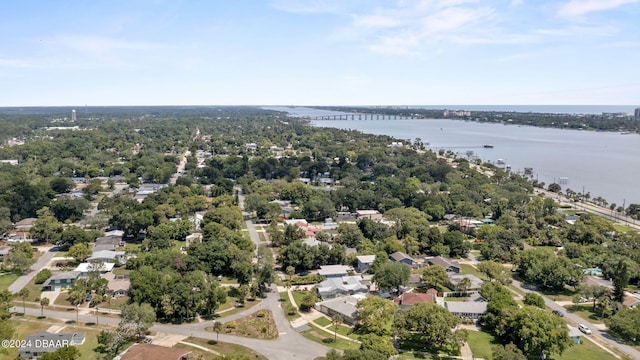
(318, 335)
(115, 304)
(413, 342)
(561, 295)
(236, 308)
(88, 349)
(252, 326)
(121, 271)
(285, 304)
(586, 311)
(7, 279)
(481, 343)
(221, 348)
(22, 329)
(585, 351)
(323, 321)
(468, 269)
(621, 228)
(35, 291)
(178, 244)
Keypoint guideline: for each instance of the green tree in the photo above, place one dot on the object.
(290, 270)
(375, 315)
(20, 257)
(308, 300)
(377, 344)
(63, 353)
(620, 280)
(46, 228)
(435, 276)
(463, 285)
(431, 324)
(24, 294)
(495, 271)
(80, 252)
(534, 299)
(536, 331)
(336, 320)
(507, 352)
(44, 301)
(392, 275)
(137, 318)
(626, 324)
(217, 327)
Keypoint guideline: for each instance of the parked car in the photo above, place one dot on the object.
(584, 329)
(148, 340)
(558, 312)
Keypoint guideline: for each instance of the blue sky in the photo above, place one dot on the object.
(319, 52)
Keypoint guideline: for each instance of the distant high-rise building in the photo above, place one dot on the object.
(636, 114)
(73, 115)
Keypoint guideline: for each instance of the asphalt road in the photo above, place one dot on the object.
(597, 335)
(23, 280)
(289, 344)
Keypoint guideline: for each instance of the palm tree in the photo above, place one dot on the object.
(335, 321)
(76, 298)
(217, 327)
(24, 294)
(43, 302)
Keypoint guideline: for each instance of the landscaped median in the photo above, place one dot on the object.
(259, 325)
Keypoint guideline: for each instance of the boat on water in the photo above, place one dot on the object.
(488, 146)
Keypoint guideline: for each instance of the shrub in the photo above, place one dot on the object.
(42, 276)
(307, 279)
(260, 314)
(231, 325)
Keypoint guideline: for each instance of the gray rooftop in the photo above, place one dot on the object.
(466, 307)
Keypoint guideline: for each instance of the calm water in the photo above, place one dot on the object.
(604, 164)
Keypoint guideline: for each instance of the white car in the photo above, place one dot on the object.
(584, 329)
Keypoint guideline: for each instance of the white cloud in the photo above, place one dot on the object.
(582, 7)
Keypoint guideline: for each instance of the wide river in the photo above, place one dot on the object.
(603, 164)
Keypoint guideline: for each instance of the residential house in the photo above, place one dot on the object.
(449, 265)
(102, 268)
(4, 251)
(401, 257)
(631, 301)
(345, 306)
(44, 342)
(118, 285)
(329, 271)
(108, 256)
(60, 280)
(107, 243)
(407, 299)
(149, 351)
(369, 214)
(455, 278)
(575, 334)
(344, 285)
(194, 237)
(24, 224)
(467, 309)
(115, 234)
(364, 261)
